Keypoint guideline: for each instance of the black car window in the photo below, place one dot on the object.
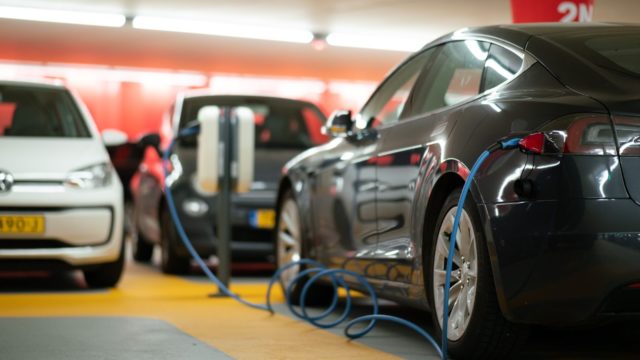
(502, 65)
(280, 127)
(623, 51)
(617, 50)
(387, 104)
(454, 76)
(278, 123)
(39, 112)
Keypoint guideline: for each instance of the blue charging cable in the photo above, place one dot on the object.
(503, 144)
(316, 270)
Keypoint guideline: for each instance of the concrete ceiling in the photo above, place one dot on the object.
(424, 19)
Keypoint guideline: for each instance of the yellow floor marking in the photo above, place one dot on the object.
(234, 329)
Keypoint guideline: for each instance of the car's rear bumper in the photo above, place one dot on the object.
(565, 262)
(73, 256)
(81, 227)
(250, 240)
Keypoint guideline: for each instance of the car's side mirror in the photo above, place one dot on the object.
(151, 140)
(113, 137)
(339, 124)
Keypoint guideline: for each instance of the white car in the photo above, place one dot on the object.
(61, 202)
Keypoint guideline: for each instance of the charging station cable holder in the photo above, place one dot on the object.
(225, 165)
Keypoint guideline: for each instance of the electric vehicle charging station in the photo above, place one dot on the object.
(224, 165)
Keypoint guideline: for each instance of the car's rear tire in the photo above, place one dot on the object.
(476, 327)
(170, 261)
(142, 248)
(290, 245)
(106, 275)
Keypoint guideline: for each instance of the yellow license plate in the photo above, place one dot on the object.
(21, 224)
(263, 218)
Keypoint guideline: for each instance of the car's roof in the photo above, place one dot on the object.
(548, 28)
(559, 47)
(247, 98)
(198, 94)
(519, 34)
(207, 98)
(40, 84)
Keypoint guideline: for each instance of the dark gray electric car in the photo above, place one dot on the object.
(283, 129)
(550, 235)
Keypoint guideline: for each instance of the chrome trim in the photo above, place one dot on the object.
(6, 181)
(527, 61)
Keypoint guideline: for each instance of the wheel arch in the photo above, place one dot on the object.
(284, 186)
(297, 183)
(445, 183)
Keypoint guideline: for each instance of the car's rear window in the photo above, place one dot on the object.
(619, 51)
(39, 112)
(279, 124)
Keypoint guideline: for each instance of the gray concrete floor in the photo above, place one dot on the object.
(107, 338)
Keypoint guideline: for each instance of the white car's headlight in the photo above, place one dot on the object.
(90, 177)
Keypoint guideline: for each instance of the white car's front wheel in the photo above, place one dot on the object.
(106, 275)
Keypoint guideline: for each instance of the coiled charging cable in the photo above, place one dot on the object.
(315, 271)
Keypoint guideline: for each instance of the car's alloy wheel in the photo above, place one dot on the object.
(289, 238)
(476, 327)
(464, 277)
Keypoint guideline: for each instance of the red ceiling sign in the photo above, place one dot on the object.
(551, 10)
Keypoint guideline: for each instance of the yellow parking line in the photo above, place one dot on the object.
(232, 328)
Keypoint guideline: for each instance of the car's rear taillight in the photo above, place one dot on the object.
(581, 134)
(628, 132)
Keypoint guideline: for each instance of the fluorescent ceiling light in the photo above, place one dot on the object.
(375, 42)
(219, 29)
(62, 16)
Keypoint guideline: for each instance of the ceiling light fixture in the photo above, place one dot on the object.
(62, 16)
(403, 44)
(219, 29)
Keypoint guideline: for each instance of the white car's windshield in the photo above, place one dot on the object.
(39, 112)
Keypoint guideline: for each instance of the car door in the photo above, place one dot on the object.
(415, 144)
(344, 189)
